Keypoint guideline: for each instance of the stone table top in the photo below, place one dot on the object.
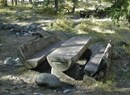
(69, 52)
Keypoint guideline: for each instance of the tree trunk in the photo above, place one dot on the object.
(16, 2)
(6, 3)
(12, 1)
(74, 5)
(30, 1)
(48, 1)
(56, 6)
(22, 1)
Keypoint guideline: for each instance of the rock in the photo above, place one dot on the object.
(93, 64)
(32, 56)
(74, 73)
(89, 80)
(62, 76)
(48, 80)
(65, 56)
(67, 91)
(18, 61)
(9, 61)
(38, 94)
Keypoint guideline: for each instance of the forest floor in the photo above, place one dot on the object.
(17, 80)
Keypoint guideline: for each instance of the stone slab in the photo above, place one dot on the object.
(33, 53)
(98, 54)
(93, 64)
(41, 56)
(68, 53)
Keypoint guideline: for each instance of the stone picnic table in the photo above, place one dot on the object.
(68, 53)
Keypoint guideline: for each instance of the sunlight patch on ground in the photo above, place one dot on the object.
(104, 19)
(45, 21)
(9, 77)
(1, 10)
(123, 89)
(99, 30)
(81, 32)
(22, 23)
(79, 9)
(91, 8)
(6, 11)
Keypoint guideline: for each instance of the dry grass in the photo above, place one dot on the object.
(117, 80)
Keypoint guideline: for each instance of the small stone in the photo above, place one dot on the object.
(38, 94)
(10, 61)
(23, 86)
(18, 61)
(48, 80)
(67, 91)
(15, 88)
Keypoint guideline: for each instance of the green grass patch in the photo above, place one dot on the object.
(19, 12)
(62, 24)
(20, 7)
(11, 9)
(43, 10)
(84, 5)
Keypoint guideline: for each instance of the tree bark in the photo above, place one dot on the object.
(6, 3)
(30, 1)
(16, 2)
(56, 6)
(12, 1)
(74, 5)
(22, 1)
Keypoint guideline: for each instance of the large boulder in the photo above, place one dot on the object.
(48, 80)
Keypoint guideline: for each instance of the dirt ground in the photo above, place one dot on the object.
(17, 80)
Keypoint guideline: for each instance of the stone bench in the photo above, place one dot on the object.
(34, 53)
(68, 53)
(99, 54)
